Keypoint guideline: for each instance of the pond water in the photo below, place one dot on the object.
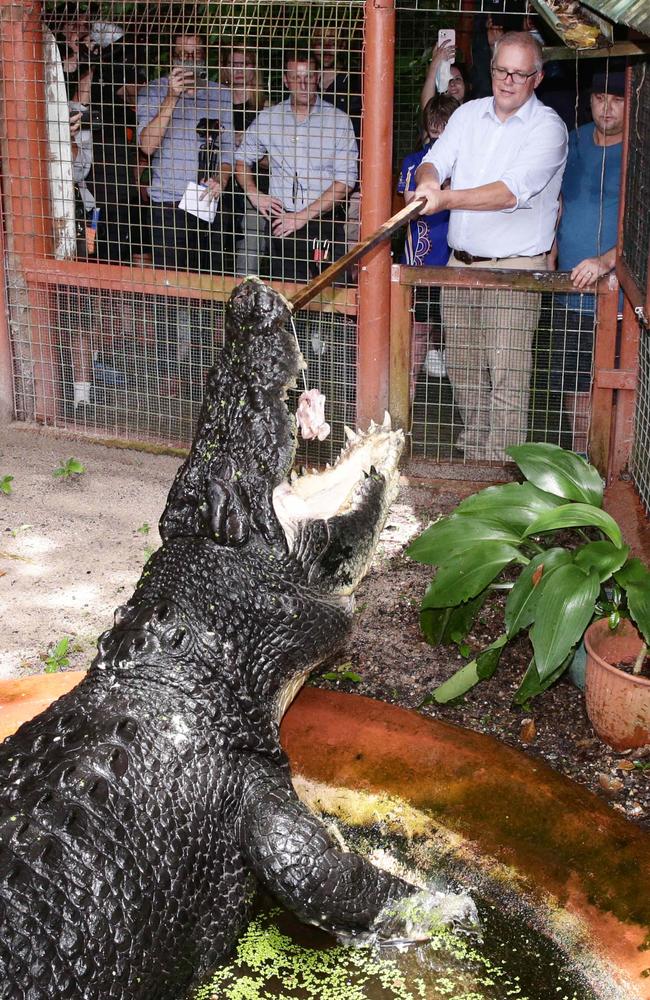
(278, 958)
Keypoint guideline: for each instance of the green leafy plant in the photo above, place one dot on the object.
(144, 528)
(561, 586)
(5, 485)
(344, 672)
(57, 656)
(73, 467)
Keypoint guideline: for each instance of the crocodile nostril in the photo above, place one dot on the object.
(139, 643)
(163, 611)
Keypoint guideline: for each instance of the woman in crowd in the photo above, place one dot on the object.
(458, 84)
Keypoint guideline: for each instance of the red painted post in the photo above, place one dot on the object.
(376, 179)
(25, 184)
(6, 361)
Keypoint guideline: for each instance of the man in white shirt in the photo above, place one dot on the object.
(505, 156)
(313, 155)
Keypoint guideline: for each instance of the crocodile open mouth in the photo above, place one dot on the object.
(338, 489)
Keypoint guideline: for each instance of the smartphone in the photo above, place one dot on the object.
(91, 119)
(446, 35)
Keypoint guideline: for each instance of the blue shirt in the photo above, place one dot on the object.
(305, 156)
(587, 227)
(426, 238)
(176, 161)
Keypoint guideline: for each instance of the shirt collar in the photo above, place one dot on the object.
(524, 113)
(316, 106)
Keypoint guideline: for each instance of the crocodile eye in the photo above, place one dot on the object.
(177, 637)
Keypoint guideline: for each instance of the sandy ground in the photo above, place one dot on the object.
(70, 549)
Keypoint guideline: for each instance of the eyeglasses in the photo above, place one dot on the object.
(499, 73)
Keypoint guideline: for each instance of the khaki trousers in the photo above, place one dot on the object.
(488, 343)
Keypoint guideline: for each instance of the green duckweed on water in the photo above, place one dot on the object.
(270, 965)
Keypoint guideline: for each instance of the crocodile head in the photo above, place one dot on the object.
(237, 486)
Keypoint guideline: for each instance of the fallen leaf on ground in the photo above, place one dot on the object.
(610, 785)
(527, 730)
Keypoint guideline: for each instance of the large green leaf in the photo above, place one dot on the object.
(468, 574)
(433, 624)
(573, 515)
(635, 578)
(445, 625)
(563, 613)
(531, 684)
(488, 660)
(524, 597)
(452, 535)
(456, 686)
(560, 472)
(476, 670)
(514, 505)
(602, 556)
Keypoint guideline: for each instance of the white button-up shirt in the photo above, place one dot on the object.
(527, 152)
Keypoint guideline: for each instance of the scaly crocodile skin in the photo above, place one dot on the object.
(138, 811)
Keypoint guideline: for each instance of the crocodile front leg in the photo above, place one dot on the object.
(291, 853)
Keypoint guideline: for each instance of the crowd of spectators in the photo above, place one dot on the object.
(200, 169)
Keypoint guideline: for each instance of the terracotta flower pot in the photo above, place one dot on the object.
(618, 703)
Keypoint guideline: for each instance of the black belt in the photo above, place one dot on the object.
(468, 258)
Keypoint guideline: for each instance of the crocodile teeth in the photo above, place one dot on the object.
(387, 424)
(350, 435)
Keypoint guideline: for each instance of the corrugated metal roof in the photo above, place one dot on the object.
(634, 13)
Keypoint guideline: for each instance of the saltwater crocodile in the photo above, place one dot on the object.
(137, 812)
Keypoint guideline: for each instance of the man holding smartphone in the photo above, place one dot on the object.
(185, 127)
(169, 111)
(505, 156)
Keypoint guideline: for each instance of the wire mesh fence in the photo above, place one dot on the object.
(100, 372)
(636, 220)
(221, 138)
(640, 461)
(474, 393)
(173, 138)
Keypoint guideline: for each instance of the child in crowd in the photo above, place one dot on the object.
(426, 237)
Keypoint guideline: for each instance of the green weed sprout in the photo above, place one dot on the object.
(73, 467)
(57, 656)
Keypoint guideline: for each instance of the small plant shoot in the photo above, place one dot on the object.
(70, 469)
(5, 485)
(57, 656)
(560, 587)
